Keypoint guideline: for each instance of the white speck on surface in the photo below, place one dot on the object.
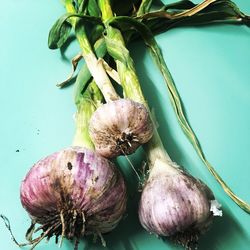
(215, 208)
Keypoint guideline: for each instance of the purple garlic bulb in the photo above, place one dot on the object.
(74, 192)
(176, 205)
(120, 127)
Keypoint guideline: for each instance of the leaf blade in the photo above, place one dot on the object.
(60, 31)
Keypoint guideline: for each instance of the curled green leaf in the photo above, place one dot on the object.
(60, 31)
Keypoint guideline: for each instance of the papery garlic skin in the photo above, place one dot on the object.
(215, 208)
(77, 184)
(120, 127)
(175, 203)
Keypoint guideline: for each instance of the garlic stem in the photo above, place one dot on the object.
(82, 116)
(86, 106)
(126, 71)
(131, 85)
(96, 68)
(155, 150)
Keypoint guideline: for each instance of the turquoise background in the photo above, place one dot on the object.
(211, 68)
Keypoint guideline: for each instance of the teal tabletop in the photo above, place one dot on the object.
(211, 69)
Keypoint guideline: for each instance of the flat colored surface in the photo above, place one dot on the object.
(211, 68)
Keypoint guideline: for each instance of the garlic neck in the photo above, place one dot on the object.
(155, 150)
(167, 168)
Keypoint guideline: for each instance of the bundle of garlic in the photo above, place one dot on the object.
(76, 191)
(173, 203)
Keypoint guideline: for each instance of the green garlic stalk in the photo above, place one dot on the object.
(87, 103)
(116, 47)
(95, 66)
(129, 79)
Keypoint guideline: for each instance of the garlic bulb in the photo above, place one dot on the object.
(175, 204)
(73, 193)
(120, 127)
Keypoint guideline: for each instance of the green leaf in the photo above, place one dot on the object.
(82, 80)
(148, 38)
(226, 6)
(116, 50)
(189, 11)
(123, 7)
(144, 7)
(82, 6)
(84, 76)
(93, 8)
(217, 11)
(96, 33)
(200, 19)
(60, 31)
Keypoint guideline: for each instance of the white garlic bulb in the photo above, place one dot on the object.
(176, 205)
(120, 127)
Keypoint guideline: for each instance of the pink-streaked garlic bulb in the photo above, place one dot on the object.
(120, 127)
(73, 193)
(176, 205)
